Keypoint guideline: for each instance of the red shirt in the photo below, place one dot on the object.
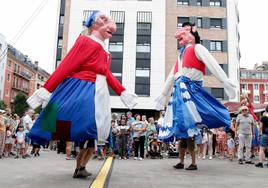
(84, 61)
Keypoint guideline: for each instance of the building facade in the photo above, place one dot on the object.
(137, 47)
(144, 48)
(21, 75)
(254, 83)
(3, 59)
(217, 23)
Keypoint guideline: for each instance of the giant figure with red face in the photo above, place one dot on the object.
(189, 105)
(76, 94)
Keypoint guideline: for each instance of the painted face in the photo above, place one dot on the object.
(105, 26)
(184, 36)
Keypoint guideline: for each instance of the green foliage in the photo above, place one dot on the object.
(20, 105)
(38, 109)
(2, 105)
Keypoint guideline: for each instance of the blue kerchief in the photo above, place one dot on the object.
(91, 19)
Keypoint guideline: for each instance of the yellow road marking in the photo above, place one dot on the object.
(100, 180)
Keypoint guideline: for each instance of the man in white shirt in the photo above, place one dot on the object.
(27, 123)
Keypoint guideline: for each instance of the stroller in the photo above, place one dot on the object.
(173, 149)
(154, 149)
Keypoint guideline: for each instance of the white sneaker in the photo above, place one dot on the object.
(140, 159)
(136, 158)
(199, 157)
(204, 157)
(210, 157)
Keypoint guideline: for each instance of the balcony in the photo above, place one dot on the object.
(22, 89)
(245, 91)
(23, 74)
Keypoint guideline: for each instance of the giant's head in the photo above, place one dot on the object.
(184, 36)
(101, 25)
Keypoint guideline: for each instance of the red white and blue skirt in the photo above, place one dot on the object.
(72, 114)
(190, 108)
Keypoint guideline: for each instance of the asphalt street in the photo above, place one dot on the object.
(51, 170)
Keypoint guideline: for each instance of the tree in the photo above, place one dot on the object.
(2, 105)
(20, 105)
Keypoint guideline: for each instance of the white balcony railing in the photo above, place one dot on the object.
(245, 91)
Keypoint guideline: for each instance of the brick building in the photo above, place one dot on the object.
(21, 75)
(254, 83)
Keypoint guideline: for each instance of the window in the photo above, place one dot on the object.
(256, 86)
(266, 87)
(143, 54)
(217, 93)
(183, 2)
(116, 47)
(199, 3)
(8, 77)
(144, 48)
(181, 20)
(61, 20)
(199, 22)
(215, 23)
(143, 72)
(245, 86)
(60, 43)
(0, 47)
(266, 98)
(215, 3)
(215, 45)
(256, 98)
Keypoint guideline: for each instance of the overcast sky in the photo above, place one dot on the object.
(38, 41)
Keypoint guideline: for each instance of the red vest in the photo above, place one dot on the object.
(191, 61)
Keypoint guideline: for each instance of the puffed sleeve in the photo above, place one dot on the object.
(79, 53)
(114, 83)
(205, 56)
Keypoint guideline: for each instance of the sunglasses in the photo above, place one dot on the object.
(245, 110)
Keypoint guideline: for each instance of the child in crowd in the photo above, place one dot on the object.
(230, 146)
(123, 132)
(8, 142)
(207, 143)
(20, 142)
(101, 150)
(221, 141)
(199, 145)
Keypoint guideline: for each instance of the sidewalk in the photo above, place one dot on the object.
(50, 170)
(159, 173)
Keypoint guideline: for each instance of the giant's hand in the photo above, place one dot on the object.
(160, 102)
(229, 88)
(39, 97)
(129, 100)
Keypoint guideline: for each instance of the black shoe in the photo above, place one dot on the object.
(259, 165)
(179, 166)
(240, 161)
(27, 156)
(249, 162)
(191, 167)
